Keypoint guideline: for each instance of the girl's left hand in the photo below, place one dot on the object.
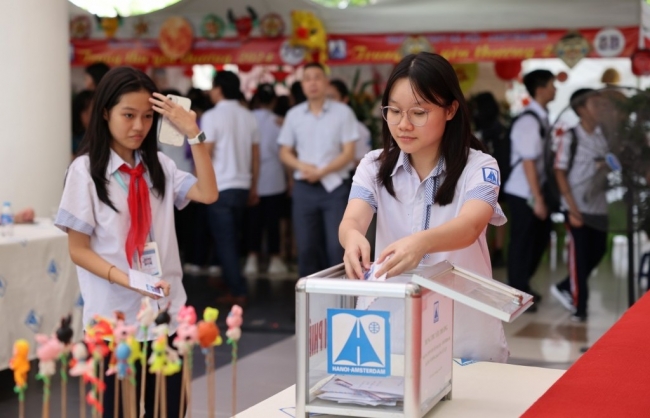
(184, 120)
(405, 254)
(166, 287)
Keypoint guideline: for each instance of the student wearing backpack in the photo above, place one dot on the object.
(580, 156)
(530, 227)
(493, 133)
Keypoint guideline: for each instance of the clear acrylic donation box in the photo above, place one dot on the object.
(383, 349)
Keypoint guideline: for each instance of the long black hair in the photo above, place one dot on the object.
(97, 141)
(80, 103)
(434, 79)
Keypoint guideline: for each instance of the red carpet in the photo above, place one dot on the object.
(612, 379)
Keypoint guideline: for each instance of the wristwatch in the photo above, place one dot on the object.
(197, 139)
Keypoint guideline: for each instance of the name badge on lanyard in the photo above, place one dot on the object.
(149, 261)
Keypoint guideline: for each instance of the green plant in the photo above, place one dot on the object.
(364, 104)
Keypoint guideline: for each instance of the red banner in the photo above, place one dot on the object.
(570, 46)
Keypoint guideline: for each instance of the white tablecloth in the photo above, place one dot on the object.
(486, 390)
(38, 285)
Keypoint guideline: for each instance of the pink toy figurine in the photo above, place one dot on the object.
(234, 321)
(187, 335)
(121, 332)
(48, 351)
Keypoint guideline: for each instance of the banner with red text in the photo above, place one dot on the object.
(571, 46)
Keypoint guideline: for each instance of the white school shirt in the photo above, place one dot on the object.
(588, 188)
(526, 145)
(364, 143)
(81, 210)
(319, 139)
(233, 130)
(477, 335)
(272, 179)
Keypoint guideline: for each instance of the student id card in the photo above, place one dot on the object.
(149, 261)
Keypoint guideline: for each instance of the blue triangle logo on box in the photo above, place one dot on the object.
(358, 342)
(436, 312)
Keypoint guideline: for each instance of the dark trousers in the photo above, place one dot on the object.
(316, 218)
(529, 238)
(586, 249)
(226, 219)
(184, 221)
(200, 250)
(173, 390)
(265, 217)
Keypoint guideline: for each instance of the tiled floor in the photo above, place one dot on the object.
(546, 338)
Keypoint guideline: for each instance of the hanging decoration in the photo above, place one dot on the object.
(641, 62)
(80, 27)
(307, 31)
(572, 47)
(109, 25)
(212, 27)
(175, 38)
(272, 25)
(243, 25)
(140, 28)
(467, 74)
(280, 75)
(414, 45)
(507, 70)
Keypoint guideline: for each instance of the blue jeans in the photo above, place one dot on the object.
(316, 218)
(226, 220)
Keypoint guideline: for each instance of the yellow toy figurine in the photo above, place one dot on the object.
(19, 363)
(308, 31)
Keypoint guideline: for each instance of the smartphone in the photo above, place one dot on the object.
(167, 132)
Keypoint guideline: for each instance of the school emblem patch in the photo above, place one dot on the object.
(491, 175)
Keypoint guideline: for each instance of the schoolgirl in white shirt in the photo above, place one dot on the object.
(119, 198)
(434, 192)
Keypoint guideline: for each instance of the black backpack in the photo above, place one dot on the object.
(503, 147)
(550, 188)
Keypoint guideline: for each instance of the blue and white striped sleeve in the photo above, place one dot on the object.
(483, 184)
(364, 183)
(76, 210)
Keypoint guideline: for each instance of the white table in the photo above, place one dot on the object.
(38, 285)
(486, 390)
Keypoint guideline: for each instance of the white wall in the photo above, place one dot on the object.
(35, 139)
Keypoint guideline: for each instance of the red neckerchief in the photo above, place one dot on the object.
(139, 209)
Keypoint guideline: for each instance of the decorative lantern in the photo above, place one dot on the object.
(507, 70)
(641, 62)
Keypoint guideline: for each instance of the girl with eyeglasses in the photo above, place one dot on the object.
(434, 192)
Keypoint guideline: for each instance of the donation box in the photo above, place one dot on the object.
(380, 349)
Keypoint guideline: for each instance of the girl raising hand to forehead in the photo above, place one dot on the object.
(118, 205)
